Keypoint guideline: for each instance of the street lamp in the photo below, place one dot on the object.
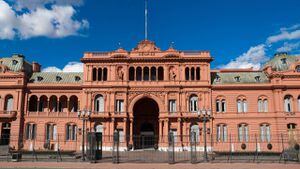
(205, 116)
(83, 115)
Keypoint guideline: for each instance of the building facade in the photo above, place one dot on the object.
(148, 92)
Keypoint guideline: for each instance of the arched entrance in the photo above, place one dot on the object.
(145, 123)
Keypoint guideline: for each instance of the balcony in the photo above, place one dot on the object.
(51, 114)
(8, 114)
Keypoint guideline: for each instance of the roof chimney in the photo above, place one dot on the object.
(36, 67)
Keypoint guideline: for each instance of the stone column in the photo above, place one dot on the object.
(166, 130)
(131, 131)
(125, 131)
(179, 131)
(160, 134)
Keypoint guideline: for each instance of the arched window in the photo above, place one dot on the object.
(62, 106)
(71, 132)
(197, 73)
(138, 74)
(195, 133)
(262, 105)
(160, 73)
(30, 131)
(153, 73)
(243, 134)
(99, 74)
(265, 132)
(221, 132)
(187, 73)
(99, 103)
(73, 104)
(94, 74)
(193, 103)
(51, 131)
(105, 74)
(9, 103)
(33, 103)
(146, 74)
(131, 73)
(43, 104)
(220, 105)
(53, 104)
(192, 73)
(288, 107)
(242, 105)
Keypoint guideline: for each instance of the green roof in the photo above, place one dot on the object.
(56, 77)
(238, 77)
(281, 61)
(17, 63)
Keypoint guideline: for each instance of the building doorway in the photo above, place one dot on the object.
(145, 123)
(5, 134)
(292, 133)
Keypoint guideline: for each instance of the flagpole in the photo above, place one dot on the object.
(146, 19)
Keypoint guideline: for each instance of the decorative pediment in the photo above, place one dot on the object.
(146, 46)
(120, 53)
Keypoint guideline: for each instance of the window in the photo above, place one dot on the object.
(221, 132)
(119, 106)
(193, 103)
(14, 62)
(262, 105)
(99, 103)
(283, 61)
(265, 133)
(218, 78)
(39, 78)
(77, 78)
(121, 135)
(243, 133)
(237, 78)
(242, 105)
(30, 130)
(195, 133)
(51, 131)
(172, 106)
(221, 105)
(94, 74)
(131, 73)
(197, 73)
(9, 103)
(174, 132)
(298, 103)
(187, 73)
(58, 78)
(160, 73)
(71, 132)
(288, 103)
(257, 78)
(297, 69)
(99, 128)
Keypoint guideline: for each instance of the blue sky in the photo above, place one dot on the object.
(238, 33)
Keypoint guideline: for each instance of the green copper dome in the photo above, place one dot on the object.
(281, 61)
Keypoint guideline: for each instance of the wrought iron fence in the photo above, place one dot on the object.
(147, 148)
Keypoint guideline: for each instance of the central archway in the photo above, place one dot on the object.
(145, 123)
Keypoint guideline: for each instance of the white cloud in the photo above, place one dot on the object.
(70, 67)
(33, 4)
(288, 47)
(290, 33)
(252, 58)
(55, 22)
(7, 21)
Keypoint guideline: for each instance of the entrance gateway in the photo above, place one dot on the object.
(145, 123)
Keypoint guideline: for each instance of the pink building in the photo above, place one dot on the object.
(149, 92)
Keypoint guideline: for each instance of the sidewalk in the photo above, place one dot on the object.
(147, 166)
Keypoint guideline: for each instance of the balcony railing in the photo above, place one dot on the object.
(8, 114)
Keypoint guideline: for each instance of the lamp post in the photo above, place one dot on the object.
(205, 116)
(83, 115)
